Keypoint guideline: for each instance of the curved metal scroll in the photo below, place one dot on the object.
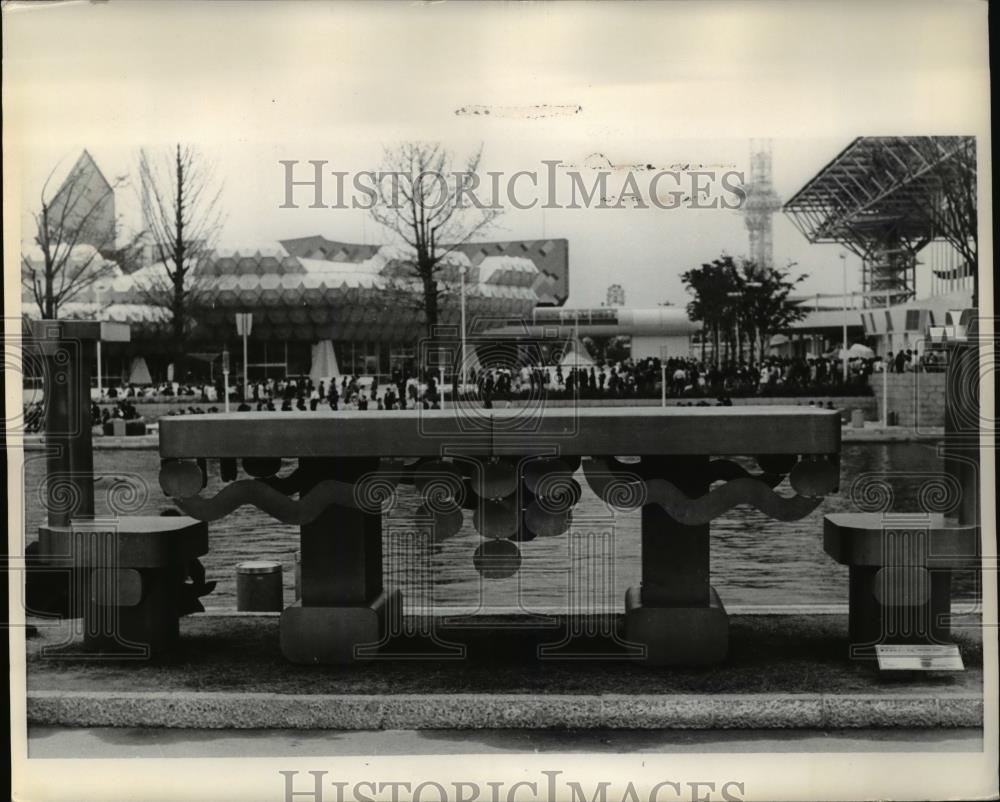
(265, 498)
(728, 469)
(692, 512)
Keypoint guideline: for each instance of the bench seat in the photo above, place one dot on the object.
(899, 568)
(128, 579)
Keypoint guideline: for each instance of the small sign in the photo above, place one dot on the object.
(244, 323)
(906, 657)
(225, 361)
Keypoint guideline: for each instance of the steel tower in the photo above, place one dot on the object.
(761, 204)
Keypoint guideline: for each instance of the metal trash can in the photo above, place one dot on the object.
(858, 418)
(259, 587)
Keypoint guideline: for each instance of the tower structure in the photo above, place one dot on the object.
(84, 205)
(761, 204)
(885, 199)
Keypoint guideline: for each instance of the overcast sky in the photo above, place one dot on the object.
(656, 84)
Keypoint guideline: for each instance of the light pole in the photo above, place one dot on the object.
(225, 375)
(885, 371)
(100, 387)
(244, 322)
(843, 350)
(461, 271)
(664, 352)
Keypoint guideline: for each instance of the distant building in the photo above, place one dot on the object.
(616, 295)
(84, 207)
(360, 298)
(872, 199)
(659, 332)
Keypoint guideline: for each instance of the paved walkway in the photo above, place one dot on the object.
(108, 742)
(783, 671)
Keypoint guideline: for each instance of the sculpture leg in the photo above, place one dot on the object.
(343, 604)
(676, 614)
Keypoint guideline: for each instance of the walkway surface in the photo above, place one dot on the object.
(783, 671)
(123, 743)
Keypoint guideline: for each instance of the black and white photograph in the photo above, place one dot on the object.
(499, 402)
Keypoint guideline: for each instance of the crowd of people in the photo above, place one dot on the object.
(685, 378)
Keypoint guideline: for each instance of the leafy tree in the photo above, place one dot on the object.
(764, 308)
(737, 299)
(711, 306)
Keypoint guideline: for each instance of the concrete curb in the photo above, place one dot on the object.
(216, 710)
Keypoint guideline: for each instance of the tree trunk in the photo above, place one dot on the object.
(50, 301)
(430, 304)
(431, 315)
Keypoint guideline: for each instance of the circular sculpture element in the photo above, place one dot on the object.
(558, 493)
(441, 486)
(545, 523)
(445, 524)
(813, 477)
(497, 559)
(496, 518)
(538, 469)
(180, 479)
(619, 489)
(523, 533)
(496, 478)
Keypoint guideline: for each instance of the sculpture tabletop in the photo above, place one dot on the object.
(732, 430)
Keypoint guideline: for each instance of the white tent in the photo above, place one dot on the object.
(138, 372)
(856, 351)
(324, 362)
(576, 356)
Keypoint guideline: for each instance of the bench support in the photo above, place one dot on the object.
(676, 614)
(127, 579)
(901, 605)
(343, 604)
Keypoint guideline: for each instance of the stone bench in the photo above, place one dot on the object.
(129, 578)
(900, 568)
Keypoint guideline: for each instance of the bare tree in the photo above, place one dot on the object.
(427, 205)
(75, 229)
(182, 218)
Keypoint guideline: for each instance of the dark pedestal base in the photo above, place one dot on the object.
(906, 604)
(133, 612)
(126, 577)
(332, 635)
(678, 636)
